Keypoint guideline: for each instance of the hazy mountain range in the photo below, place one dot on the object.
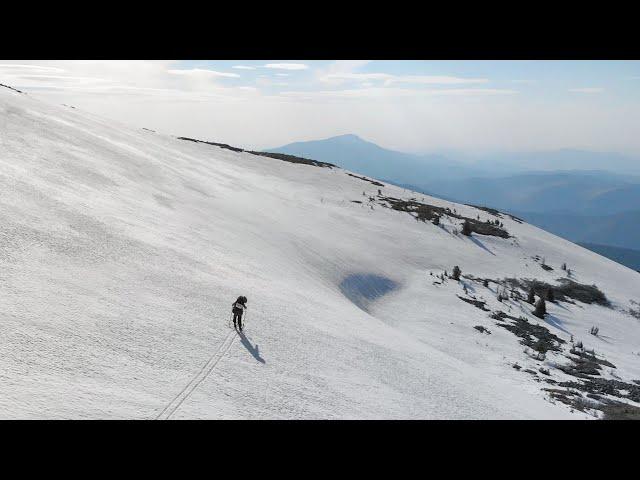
(567, 192)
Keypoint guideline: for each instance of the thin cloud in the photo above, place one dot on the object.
(203, 72)
(389, 79)
(17, 66)
(243, 67)
(587, 90)
(287, 66)
(378, 92)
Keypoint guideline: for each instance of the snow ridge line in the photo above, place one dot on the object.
(170, 408)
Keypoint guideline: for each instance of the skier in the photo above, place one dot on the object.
(238, 307)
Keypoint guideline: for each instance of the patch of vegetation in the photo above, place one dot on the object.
(362, 178)
(514, 218)
(603, 386)
(541, 308)
(590, 357)
(221, 145)
(573, 399)
(482, 228)
(620, 411)
(481, 329)
(293, 159)
(492, 211)
(10, 88)
(426, 212)
(466, 228)
(278, 156)
(537, 337)
(568, 289)
(455, 273)
(476, 303)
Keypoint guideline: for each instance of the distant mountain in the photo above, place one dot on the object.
(561, 159)
(619, 230)
(625, 256)
(516, 181)
(585, 193)
(354, 153)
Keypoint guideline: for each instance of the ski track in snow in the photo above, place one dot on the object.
(204, 372)
(121, 251)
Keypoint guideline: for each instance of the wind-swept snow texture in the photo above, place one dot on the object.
(121, 251)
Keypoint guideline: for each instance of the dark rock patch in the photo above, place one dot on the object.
(277, 156)
(426, 212)
(476, 303)
(492, 211)
(293, 159)
(537, 337)
(567, 289)
(481, 329)
(365, 179)
(11, 88)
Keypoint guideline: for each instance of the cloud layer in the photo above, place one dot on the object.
(400, 105)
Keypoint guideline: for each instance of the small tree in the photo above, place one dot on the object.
(485, 284)
(502, 294)
(594, 331)
(541, 308)
(564, 267)
(466, 228)
(436, 220)
(456, 273)
(550, 295)
(531, 297)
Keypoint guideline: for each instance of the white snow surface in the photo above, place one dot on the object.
(121, 251)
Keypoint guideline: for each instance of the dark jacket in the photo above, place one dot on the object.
(239, 305)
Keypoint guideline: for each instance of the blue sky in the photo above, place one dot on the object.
(467, 106)
(552, 78)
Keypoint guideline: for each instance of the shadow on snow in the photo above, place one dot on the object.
(253, 350)
(364, 288)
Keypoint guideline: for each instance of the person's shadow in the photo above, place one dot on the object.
(252, 350)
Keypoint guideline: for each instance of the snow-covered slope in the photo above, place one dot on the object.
(121, 251)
